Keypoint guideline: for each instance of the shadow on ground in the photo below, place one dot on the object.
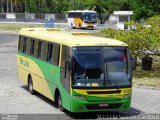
(104, 115)
(48, 101)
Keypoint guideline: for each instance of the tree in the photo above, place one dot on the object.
(2, 6)
(141, 39)
(107, 7)
(47, 6)
(77, 4)
(145, 8)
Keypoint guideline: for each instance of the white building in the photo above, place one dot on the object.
(120, 17)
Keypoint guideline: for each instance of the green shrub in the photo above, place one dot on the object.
(140, 39)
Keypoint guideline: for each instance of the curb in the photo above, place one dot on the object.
(10, 32)
(146, 87)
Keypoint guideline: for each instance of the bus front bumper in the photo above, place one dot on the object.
(86, 25)
(88, 106)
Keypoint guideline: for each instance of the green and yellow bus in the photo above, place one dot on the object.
(79, 71)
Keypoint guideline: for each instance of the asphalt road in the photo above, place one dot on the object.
(15, 98)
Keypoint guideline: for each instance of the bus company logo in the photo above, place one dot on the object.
(23, 62)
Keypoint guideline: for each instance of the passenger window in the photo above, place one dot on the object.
(56, 52)
(20, 45)
(24, 45)
(39, 49)
(28, 45)
(44, 51)
(32, 47)
(64, 55)
(49, 53)
(36, 48)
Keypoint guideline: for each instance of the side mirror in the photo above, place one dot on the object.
(69, 64)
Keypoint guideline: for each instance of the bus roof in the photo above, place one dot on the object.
(82, 11)
(70, 39)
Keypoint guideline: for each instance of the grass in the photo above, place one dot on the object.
(148, 78)
(16, 27)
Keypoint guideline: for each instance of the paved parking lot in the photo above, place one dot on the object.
(14, 97)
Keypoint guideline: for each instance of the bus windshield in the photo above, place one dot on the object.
(101, 67)
(90, 17)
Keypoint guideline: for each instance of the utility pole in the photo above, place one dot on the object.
(2, 6)
(11, 6)
(25, 7)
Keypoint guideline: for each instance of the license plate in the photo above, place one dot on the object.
(103, 105)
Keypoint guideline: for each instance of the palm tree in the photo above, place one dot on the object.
(9, 4)
(2, 6)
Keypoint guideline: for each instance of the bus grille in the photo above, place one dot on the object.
(104, 92)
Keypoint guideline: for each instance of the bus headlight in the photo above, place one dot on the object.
(126, 96)
(79, 97)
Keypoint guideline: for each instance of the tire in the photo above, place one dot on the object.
(92, 28)
(60, 104)
(30, 86)
(72, 26)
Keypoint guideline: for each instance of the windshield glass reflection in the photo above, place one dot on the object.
(100, 66)
(87, 66)
(116, 65)
(90, 17)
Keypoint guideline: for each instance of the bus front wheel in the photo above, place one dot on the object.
(60, 104)
(30, 86)
(92, 28)
(72, 26)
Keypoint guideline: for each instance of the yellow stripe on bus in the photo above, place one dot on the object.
(124, 91)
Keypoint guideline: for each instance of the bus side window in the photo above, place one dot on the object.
(49, 53)
(20, 45)
(24, 45)
(36, 48)
(28, 45)
(44, 51)
(56, 52)
(39, 49)
(75, 15)
(32, 47)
